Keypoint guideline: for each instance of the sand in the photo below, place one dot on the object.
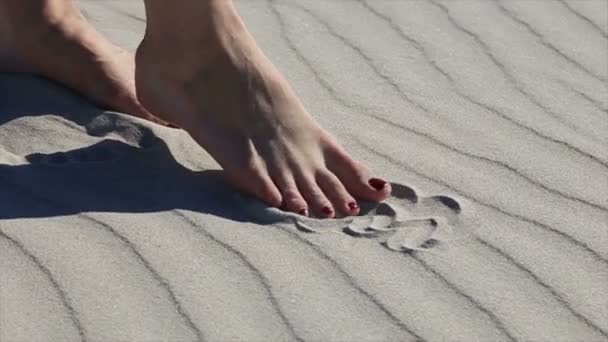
(490, 118)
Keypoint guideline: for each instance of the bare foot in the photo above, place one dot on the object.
(216, 83)
(51, 38)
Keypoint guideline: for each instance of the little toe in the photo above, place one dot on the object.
(257, 182)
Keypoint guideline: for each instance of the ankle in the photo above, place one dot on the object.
(20, 17)
(29, 34)
(195, 25)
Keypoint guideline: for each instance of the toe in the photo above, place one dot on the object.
(316, 199)
(356, 177)
(292, 199)
(337, 194)
(257, 182)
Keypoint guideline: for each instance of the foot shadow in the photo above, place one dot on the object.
(112, 176)
(28, 95)
(137, 176)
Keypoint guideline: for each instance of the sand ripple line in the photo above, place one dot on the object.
(63, 297)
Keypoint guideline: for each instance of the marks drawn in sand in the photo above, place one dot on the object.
(405, 222)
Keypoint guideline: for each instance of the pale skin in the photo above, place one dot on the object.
(214, 82)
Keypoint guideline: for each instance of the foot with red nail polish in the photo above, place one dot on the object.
(327, 212)
(377, 183)
(218, 85)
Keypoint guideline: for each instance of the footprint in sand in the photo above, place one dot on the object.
(406, 222)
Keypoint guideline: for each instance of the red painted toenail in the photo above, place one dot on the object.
(377, 183)
(303, 212)
(327, 210)
(353, 206)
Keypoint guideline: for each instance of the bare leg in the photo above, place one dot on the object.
(200, 66)
(51, 38)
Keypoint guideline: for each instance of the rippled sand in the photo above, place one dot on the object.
(490, 118)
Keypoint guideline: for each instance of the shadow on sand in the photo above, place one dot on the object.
(108, 176)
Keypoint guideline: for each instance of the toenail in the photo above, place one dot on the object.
(303, 212)
(353, 206)
(377, 183)
(327, 210)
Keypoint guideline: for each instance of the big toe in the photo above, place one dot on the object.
(356, 177)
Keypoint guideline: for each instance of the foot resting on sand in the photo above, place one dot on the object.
(51, 38)
(216, 83)
(200, 68)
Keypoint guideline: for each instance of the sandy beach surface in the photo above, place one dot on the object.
(490, 118)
